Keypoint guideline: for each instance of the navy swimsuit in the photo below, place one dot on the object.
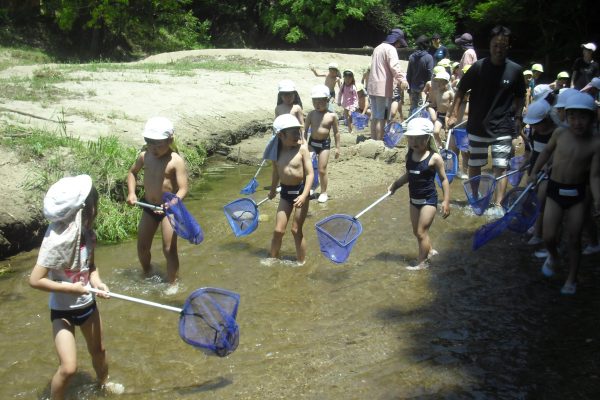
(421, 184)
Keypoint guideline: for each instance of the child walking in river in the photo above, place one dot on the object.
(320, 122)
(422, 163)
(65, 268)
(293, 170)
(164, 171)
(575, 152)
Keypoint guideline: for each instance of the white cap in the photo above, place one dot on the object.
(417, 132)
(541, 91)
(66, 197)
(319, 91)
(563, 96)
(590, 46)
(537, 67)
(332, 66)
(286, 86)
(158, 128)
(285, 121)
(443, 75)
(537, 111)
(423, 125)
(580, 101)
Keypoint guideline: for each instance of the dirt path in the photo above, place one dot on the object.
(223, 110)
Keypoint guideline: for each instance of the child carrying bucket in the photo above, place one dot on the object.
(320, 122)
(422, 163)
(65, 268)
(164, 171)
(293, 170)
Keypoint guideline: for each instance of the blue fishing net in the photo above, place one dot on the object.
(250, 187)
(315, 165)
(181, 220)
(207, 320)
(450, 165)
(359, 120)
(525, 212)
(514, 164)
(337, 235)
(487, 232)
(242, 215)
(479, 191)
(392, 134)
(462, 138)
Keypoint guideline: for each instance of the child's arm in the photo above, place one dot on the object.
(132, 179)
(181, 176)
(308, 178)
(438, 164)
(316, 73)
(39, 280)
(307, 126)
(336, 135)
(544, 156)
(274, 181)
(398, 183)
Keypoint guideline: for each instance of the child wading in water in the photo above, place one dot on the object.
(348, 98)
(422, 163)
(65, 268)
(293, 170)
(575, 153)
(288, 101)
(320, 122)
(164, 171)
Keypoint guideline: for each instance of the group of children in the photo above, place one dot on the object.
(564, 143)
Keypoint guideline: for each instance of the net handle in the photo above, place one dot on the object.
(259, 167)
(136, 300)
(379, 200)
(262, 201)
(509, 173)
(418, 110)
(541, 176)
(150, 206)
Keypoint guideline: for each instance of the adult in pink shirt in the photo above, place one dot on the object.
(385, 74)
(469, 56)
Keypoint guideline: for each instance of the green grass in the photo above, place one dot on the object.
(11, 57)
(105, 160)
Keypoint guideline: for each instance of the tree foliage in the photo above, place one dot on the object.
(427, 20)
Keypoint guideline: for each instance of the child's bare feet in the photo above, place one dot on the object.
(419, 266)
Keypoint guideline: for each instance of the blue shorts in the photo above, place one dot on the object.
(379, 106)
(76, 316)
(290, 192)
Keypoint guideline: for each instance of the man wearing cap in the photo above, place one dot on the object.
(420, 65)
(384, 75)
(437, 50)
(495, 107)
(585, 68)
(469, 56)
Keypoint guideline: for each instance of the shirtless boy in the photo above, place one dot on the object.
(442, 97)
(321, 122)
(575, 153)
(293, 170)
(164, 171)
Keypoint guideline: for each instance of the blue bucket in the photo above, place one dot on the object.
(359, 120)
(462, 139)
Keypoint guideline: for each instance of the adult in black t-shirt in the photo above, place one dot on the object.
(495, 107)
(585, 68)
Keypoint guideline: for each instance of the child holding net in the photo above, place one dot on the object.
(65, 268)
(422, 163)
(164, 171)
(293, 170)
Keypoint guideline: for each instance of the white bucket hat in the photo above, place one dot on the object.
(537, 111)
(158, 128)
(420, 124)
(66, 197)
(333, 66)
(285, 121)
(563, 96)
(580, 101)
(286, 85)
(319, 92)
(442, 75)
(541, 91)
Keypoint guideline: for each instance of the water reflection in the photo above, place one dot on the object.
(469, 327)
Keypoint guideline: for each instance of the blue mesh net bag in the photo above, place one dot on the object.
(359, 120)
(479, 191)
(242, 215)
(515, 163)
(450, 165)
(462, 138)
(337, 235)
(315, 165)
(181, 220)
(392, 134)
(490, 231)
(208, 320)
(525, 212)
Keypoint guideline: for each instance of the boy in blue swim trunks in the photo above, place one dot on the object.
(320, 122)
(575, 152)
(293, 170)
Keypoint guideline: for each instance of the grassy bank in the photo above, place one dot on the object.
(58, 154)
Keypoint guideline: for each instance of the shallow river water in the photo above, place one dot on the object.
(475, 325)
